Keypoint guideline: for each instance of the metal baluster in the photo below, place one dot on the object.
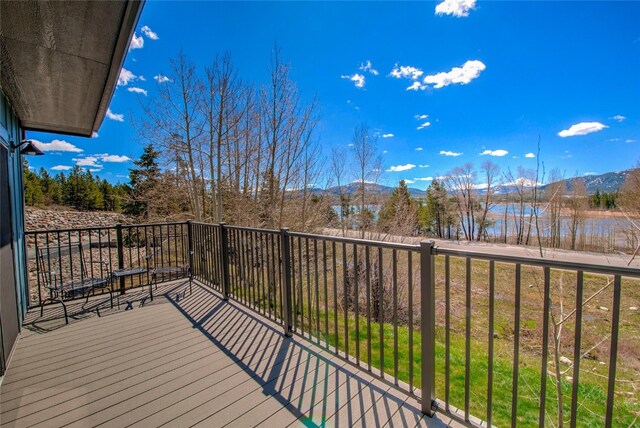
(613, 354)
(545, 345)
(356, 299)
(367, 263)
(516, 350)
(326, 292)
(410, 301)
(394, 255)
(467, 340)
(345, 274)
(309, 306)
(381, 309)
(315, 264)
(492, 289)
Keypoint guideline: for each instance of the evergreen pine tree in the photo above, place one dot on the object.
(143, 185)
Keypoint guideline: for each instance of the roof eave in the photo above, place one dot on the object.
(129, 21)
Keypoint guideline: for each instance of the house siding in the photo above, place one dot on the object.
(10, 131)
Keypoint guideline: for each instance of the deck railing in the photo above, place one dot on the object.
(104, 249)
(488, 339)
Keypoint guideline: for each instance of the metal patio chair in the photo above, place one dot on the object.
(174, 264)
(63, 272)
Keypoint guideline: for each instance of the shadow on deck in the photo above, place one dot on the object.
(187, 360)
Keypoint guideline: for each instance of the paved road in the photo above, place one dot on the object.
(613, 259)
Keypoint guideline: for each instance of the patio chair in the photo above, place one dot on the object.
(174, 262)
(63, 272)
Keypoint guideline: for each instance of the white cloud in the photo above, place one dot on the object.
(631, 141)
(97, 160)
(415, 86)
(137, 42)
(457, 8)
(449, 153)
(367, 67)
(407, 72)
(113, 158)
(385, 152)
(125, 77)
(470, 70)
(530, 155)
(419, 149)
(161, 79)
(61, 168)
(91, 161)
(94, 135)
(582, 128)
(424, 125)
(150, 34)
(141, 77)
(618, 118)
(499, 152)
(137, 90)
(115, 116)
(357, 79)
(590, 173)
(57, 146)
(409, 181)
(400, 168)
(421, 116)
(95, 169)
(423, 166)
(387, 135)
(424, 179)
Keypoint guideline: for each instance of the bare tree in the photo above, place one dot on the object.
(629, 203)
(368, 163)
(555, 195)
(459, 183)
(338, 165)
(222, 111)
(287, 126)
(523, 184)
(490, 173)
(172, 121)
(577, 203)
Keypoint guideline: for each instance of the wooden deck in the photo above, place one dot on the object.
(186, 361)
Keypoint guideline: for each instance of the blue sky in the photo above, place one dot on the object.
(488, 77)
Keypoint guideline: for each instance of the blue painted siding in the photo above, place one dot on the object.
(10, 131)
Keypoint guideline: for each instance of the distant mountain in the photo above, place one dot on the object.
(352, 189)
(608, 182)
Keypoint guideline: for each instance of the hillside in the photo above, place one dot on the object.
(352, 189)
(608, 182)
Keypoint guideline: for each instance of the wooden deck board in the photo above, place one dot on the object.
(194, 361)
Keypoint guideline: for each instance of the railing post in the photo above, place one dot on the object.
(427, 325)
(190, 243)
(120, 254)
(285, 248)
(224, 241)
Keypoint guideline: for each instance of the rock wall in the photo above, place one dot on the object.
(99, 244)
(38, 219)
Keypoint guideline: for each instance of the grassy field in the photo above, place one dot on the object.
(323, 292)
(591, 396)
